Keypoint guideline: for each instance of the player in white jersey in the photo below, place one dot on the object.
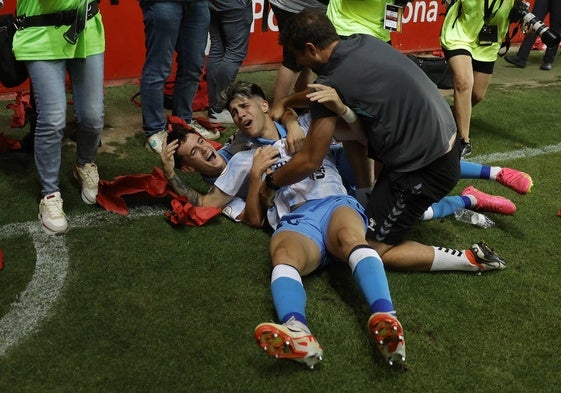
(324, 182)
(317, 220)
(193, 152)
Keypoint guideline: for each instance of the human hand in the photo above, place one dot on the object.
(263, 158)
(294, 134)
(277, 111)
(327, 96)
(168, 161)
(266, 195)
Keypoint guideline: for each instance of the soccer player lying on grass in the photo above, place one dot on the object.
(191, 148)
(196, 154)
(313, 218)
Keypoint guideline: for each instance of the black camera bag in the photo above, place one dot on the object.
(12, 72)
(437, 70)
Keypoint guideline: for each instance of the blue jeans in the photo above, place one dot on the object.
(172, 27)
(229, 40)
(48, 79)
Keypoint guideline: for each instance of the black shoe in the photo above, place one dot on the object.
(466, 148)
(517, 61)
(546, 66)
(486, 258)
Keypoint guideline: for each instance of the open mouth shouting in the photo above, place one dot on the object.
(211, 156)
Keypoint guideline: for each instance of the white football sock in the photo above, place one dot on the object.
(447, 259)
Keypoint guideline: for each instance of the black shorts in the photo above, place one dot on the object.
(399, 199)
(485, 67)
(288, 59)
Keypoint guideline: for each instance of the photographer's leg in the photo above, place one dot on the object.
(463, 84)
(555, 26)
(480, 83)
(526, 47)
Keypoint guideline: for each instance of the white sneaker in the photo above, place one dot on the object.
(221, 117)
(88, 179)
(51, 214)
(155, 141)
(207, 134)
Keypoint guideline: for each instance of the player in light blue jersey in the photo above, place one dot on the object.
(315, 219)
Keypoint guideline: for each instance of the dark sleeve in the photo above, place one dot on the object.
(318, 111)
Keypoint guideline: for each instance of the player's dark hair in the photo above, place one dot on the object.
(240, 89)
(179, 133)
(310, 25)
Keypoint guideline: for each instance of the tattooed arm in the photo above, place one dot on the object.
(182, 189)
(215, 197)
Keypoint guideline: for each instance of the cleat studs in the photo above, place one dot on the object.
(276, 355)
(403, 358)
(275, 335)
(287, 343)
(376, 332)
(381, 342)
(390, 363)
(394, 328)
(265, 348)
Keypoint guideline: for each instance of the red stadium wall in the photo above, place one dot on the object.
(422, 20)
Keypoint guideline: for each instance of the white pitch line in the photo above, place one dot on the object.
(515, 154)
(42, 291)
(51, 267)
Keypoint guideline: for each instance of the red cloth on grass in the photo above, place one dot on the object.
(203, 121)
(7, 143)
(155, 184)
(179, 121)
(19, 107)
(187, 214)
(206, 123)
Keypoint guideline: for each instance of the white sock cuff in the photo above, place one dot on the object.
(494, 171)
(359, 253)
(428, 214)
(285, 271)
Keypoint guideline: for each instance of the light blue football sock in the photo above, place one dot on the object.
(472, 170)
(368, 271)
(448, 205)
(289, 295)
